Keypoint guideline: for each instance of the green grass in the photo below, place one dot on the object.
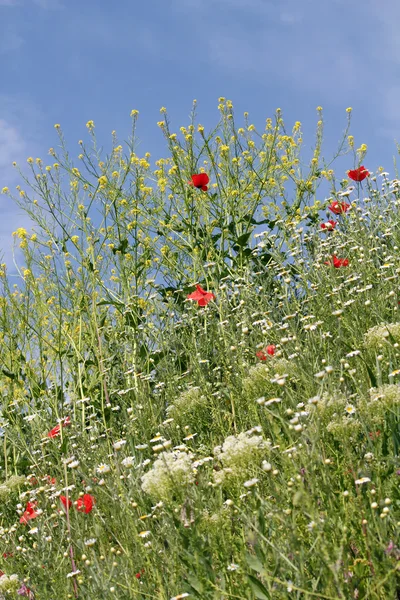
(215, 473)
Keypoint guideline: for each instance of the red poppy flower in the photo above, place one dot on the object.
(329, 225)
(338, 262)
(85, 503)
(358, 174)
(338, 208)
(29, 513)
(269, 350)
(51, 480)
(56, 430)
(66, 501)
(200, 181)
(202, 297)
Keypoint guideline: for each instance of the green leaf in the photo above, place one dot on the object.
(232, 227)
(122, 247)
(259, 590)
(254, 563)
(103, 318)
(110, 302)
(243, 239)
(196, 584)
(371, 376)
(9, 374)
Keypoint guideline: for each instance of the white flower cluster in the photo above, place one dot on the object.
(238, 454)
(13, 483)
(9, 584)
(188, 402)
(387, 395)
(172, 471)
(378, 335)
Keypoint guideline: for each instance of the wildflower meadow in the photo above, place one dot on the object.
(200, 369)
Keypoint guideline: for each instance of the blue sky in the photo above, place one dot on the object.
(68, 62)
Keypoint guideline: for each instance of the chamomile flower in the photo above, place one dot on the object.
(362, 480)
(103, 469)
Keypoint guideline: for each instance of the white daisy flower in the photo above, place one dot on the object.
(90, 542)
(144, 534)
(362, 480)
(73, 574)
(119, 445)
(102, 469)
(73, 464)
(251, 483)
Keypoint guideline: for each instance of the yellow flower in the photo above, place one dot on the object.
(319, 108)
(21, 233)
(5, 190)
(57, 126)
(163, 109)
(134, 113)
(90, 124)
(348, 110)
(29, 160)
(115, 174)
